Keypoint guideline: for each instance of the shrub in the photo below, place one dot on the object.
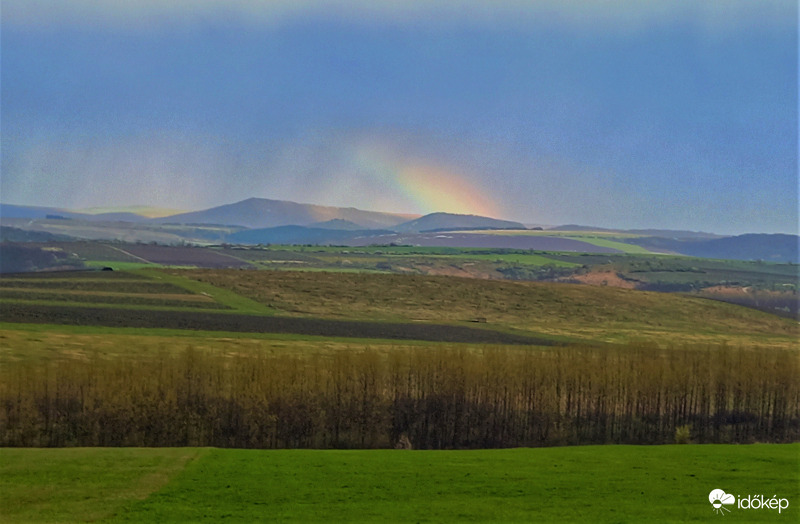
(683, 434)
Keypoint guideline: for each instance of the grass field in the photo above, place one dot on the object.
(577, 484)
(556, 310)
(79, 484)
(527, 259)
(119, 266)
(41, 343)
(698, 272)
(222, 296)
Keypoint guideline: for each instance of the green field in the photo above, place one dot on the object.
(119, 265)
(224, 297)
(526, 259)
(577, 484)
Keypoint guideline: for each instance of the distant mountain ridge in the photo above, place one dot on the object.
(37, 212)
(337, 223)
(753, 246)
(278, 221)
(452, 221)
(259, 213)
(341, 230)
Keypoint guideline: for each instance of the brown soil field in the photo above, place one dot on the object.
(206, 321)
(271, 255)
(602, 278)
(782, 303)
(96, 251)
(185, 256)
(91, 285)
(75, 274)
(43, 294)
(466, 270)
(125, 299)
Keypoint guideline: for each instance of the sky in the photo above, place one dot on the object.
(677, 114)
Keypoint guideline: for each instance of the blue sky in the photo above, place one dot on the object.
(678, 115)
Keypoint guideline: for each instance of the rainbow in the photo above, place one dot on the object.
(428, 187)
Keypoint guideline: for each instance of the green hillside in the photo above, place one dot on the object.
(562, 310)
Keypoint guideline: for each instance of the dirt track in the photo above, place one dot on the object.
(113, 317)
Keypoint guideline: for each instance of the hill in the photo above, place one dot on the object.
(15, 234)
(579, 312)
(36, 212)
(140, 211)
(266, 213)
(772, 248)
(14, 211)
(452, 221)
(28, 257)
(662, 233)
(337, 223)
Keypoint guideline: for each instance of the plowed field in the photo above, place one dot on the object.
(206, 321)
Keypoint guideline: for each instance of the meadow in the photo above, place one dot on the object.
(557, 310)
(576, 484)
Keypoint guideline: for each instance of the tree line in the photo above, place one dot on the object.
(431, 397)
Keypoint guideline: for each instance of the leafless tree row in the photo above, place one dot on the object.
(432, 397)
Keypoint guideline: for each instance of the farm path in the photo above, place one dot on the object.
(130, 254)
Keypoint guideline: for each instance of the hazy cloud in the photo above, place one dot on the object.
(604, 15)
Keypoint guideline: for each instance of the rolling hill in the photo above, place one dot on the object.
(453, 222)
(315, 224)
(337, 223)
(265, 213)
(36, 212)
(662, 233)
(771, 248)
